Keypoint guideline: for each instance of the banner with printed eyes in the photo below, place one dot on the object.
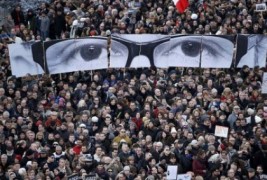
(135, 50)
(76, 54)
(183, 51)
(22, 60)
(217, 51)
(251, 50)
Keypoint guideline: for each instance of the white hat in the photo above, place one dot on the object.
(214, 158)
(108, 33)
(94, 119)
(22, 171)
(54, 113)
(193, 142)
(48, 113)
(82, 125)
(29, 163)
(194, 16)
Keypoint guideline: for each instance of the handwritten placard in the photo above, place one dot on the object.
(221, 131)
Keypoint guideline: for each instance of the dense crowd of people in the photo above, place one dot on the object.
(131, 124)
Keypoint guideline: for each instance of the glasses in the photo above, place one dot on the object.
(134, 48)
(194, 51)
(123, 131)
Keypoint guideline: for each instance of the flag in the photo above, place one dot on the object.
(181, 5)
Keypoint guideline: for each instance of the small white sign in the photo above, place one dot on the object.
(264, 84)
(172, 172)
(261, 7)
(221, 131)
(184, 177)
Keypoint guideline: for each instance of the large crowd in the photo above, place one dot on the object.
(132, 124)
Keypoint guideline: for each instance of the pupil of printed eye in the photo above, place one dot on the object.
(191, 48)
(90, 53)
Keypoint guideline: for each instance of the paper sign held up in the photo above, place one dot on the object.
(221, 131)
(184, 177)
(264, 84)
(172, 172)
(261, 7)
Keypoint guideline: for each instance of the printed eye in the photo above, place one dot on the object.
(90, 52)
(119, 53)
(73, 55)
(187, 51)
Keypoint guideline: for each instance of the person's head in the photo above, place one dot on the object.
(62, 162)
(201, 154)
(98, 151)
(167, 150)
(251, 172)
(125, 147)
(123, 132)
(231, 173)
(126, 170)
(121, 176)
(259, 169)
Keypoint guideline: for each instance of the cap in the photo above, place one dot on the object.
(193, 142)
(82, 125)
(29, 163)
(172, 72)
(22, 171)
(54, 113)
(43, 151)
(251, 170)
(30, 152)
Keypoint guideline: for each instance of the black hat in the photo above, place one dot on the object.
(30, 152)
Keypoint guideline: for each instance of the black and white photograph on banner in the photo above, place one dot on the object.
(76, 55)
(22, 61)
(182, 51)
(137, 50)
(260, 7)
(217, 51)
(251, 51)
